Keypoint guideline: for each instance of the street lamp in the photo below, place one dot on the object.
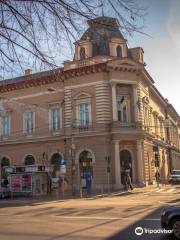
(73, 166)
(108, 160)
(167, 125)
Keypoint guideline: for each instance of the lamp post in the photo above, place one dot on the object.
(167, 125)
(73, 166)
(108, 160)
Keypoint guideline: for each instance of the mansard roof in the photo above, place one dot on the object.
(100, 32)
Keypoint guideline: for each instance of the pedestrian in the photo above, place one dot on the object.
(89, 183)
(129, 182)
(124, 181)
(157, 176)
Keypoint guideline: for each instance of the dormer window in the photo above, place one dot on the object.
(82, 53)
(119, 51)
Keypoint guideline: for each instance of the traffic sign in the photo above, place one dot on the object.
(62, 162)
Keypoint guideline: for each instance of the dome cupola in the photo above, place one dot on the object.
(102, 38)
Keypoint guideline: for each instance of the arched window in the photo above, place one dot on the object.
(85, 163)
(4, 162)
(119, 51)
(55, 162)
(82, 53)
(29, 160)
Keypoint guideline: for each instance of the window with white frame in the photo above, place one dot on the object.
(146, 115)
(5, 124)
(123, 109)
(29, 120)
(84, 114)
(55, 119)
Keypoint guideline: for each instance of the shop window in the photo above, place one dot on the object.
(4, 162)
(29, 160)
(82, 53)
(5, 126)
(55, 119)
(119, 51)
(29, 122)
(123, 109)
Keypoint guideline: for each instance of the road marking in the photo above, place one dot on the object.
(160, 190)
(170, 190)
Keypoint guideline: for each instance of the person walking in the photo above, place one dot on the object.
(129, 182)
(157, 176)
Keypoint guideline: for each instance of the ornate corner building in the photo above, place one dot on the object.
(101, 112)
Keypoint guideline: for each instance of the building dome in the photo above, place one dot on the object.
(100, 33)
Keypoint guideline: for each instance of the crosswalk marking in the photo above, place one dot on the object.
(160, 190)
(170, 190)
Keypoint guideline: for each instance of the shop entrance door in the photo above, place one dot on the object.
(126, 163)
(85, 166)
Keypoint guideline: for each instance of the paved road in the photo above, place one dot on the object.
(114, 217)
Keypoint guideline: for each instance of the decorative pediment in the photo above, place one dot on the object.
(124, 65)
(82, 95)
(126, 61)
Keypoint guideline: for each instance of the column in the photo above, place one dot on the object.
(117, 165)
(135, 97)
(114, 102)
(140, 162)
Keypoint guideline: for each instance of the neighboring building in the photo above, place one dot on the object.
(101, 111)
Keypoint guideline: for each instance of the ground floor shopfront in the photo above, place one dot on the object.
(105, 158)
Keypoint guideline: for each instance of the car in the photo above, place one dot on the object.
(170, 220)
(174, 178)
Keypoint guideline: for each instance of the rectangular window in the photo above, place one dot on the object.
(84, 114)
(123, 109)
(29, 122)
(55, 119)
(5, 126)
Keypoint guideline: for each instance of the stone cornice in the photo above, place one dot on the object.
(60, 76)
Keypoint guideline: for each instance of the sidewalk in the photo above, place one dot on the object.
(50, 198)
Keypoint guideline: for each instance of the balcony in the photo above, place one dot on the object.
(126, 126)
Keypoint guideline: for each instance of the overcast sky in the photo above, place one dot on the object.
(162, 51)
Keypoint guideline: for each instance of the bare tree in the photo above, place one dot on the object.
(35, 33)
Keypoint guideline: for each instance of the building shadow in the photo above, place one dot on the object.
(150, 221)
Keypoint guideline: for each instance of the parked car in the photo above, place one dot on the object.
(170, 220)
(174, 177)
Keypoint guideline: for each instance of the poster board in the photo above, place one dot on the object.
(21, 183)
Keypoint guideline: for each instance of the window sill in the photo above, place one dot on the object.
(5, 138)
(29, 135)
(54, 133)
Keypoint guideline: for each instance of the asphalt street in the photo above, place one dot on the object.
(113, 217)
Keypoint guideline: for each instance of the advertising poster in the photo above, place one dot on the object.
(26, 183)
(16, 183)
